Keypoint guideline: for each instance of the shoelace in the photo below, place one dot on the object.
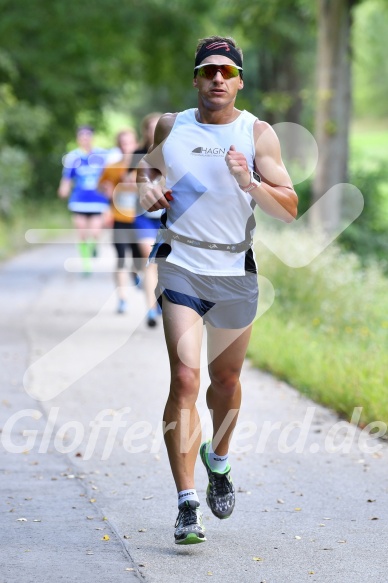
(221, 484)
(186, 516)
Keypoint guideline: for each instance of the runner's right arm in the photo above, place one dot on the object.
(151, 168)
(65, 187)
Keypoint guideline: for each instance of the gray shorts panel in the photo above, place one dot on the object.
(223, 301)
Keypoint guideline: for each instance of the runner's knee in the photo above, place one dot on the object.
(225, 381)
(184, 385)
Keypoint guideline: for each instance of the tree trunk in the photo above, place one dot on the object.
(278, 74)
(333, 110)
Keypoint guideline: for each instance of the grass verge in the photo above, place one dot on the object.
(327, 331)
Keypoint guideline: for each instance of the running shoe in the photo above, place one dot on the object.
(122, 307)
(135, 278)
(152, 318)
(189, 529)
(220, 496)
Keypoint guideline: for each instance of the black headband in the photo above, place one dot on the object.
(218, 48)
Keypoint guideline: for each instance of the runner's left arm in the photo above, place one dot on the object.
(275, 195)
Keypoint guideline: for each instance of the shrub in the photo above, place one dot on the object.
(15, 172)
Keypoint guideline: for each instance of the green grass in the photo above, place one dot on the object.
(369, 142)
(327, 332)
(30, 214)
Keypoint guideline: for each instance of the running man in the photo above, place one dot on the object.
(120, 187)
(147, 225)
(218, 163)
(82, 169)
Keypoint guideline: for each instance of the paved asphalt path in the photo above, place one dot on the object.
(86, 491)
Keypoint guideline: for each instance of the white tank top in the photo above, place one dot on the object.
(208, 203)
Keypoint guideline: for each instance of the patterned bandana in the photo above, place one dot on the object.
(218, 48)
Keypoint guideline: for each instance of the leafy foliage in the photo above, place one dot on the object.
(15, 172)
(370, 58)
(367, 236)
(73, 58)
(283, 57)
(15, 167)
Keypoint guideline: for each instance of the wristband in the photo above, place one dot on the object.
(255, 181)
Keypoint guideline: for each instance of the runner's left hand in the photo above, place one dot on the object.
(238, 167)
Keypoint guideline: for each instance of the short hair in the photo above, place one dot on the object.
(213, 39)
(124, 133)
(146, 121)
(85, 128)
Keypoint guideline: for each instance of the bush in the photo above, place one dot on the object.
(367, 235)
(15, 172)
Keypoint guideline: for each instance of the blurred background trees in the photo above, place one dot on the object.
(321, 64)
(62, 64)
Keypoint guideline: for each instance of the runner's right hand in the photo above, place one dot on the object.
(152, 196)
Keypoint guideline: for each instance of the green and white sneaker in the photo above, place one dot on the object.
(189, 529)
(220, 496)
